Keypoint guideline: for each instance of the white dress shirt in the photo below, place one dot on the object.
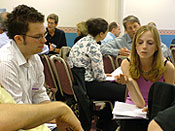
(23, 80)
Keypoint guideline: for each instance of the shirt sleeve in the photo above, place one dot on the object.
(63, 39)
(110, 48)
(97, 63)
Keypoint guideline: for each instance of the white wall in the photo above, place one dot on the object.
(162, 12)
(69, 11)
(72, 11)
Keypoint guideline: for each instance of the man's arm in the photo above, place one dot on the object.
(63, 39)
(110, 48)
(22, 116)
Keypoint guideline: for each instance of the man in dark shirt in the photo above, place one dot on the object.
(55, 37)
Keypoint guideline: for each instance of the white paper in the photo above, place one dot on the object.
(127, 111)
(51, 126)
(118, 71)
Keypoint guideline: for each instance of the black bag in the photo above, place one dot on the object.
(161, 96)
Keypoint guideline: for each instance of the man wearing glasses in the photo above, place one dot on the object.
(21, 71)
(55, 37)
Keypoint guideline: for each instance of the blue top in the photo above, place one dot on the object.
(113, 47)
(108, 38)
(4, 39)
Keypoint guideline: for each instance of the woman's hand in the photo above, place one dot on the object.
(145, 109)
(108, 75)
(122, 79)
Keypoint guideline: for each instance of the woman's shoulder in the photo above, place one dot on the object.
(125, 64)
(169, 73)
(125, 61)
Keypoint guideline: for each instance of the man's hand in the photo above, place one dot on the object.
(68, 122)
(124, 52)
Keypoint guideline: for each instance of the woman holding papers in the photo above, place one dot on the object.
(86, 54)
(144, 66)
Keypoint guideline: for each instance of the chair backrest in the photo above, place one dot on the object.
(63, 75)
(64, 52)
(172, 50)
(108, 62)
(50, 81)
(119, 60)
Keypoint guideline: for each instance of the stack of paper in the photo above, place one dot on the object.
(111, 77)
(127, 111)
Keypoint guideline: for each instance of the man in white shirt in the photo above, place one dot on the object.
(21, 71)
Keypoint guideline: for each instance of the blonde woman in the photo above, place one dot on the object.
(81, 31)
(144, 66)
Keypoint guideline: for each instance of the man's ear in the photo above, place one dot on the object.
(101, 34)
(19, 39)
(113, 29)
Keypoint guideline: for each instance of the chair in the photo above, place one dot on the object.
(172, 50)
(64, 52)
(119, 60)
(50, 81)
(109, 65)
(64, 78)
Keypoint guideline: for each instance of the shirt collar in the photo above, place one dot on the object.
(19, 56)
(112, 35)
(128, 38)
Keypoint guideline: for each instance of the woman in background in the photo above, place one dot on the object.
(86, 54)
(81, 31)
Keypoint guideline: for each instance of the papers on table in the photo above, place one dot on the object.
(127, 111)
(51, 126)
(118, 71)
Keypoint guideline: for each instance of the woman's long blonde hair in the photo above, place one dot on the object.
(158, 65)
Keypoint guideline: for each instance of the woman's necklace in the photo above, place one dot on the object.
(145, 72)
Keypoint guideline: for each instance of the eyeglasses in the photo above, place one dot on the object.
(39, 37)
(51, 23)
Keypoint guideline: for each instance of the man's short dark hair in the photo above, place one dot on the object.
(130, 18)
(112, 25)
(19, 19)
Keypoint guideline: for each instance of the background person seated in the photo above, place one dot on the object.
(114, 31)
(55, 37)
(122, 45)
(4, 39)
(165, 49)
(85, 54)
(81, 31)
